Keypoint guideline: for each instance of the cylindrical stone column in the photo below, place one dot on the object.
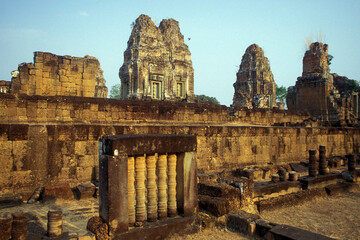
(293, 176)
(151, 188)
(322, 161)
(131, 190)
(172, 207)
(140, 189)
(162, 185)
(351, 162)
(275, 178)
(5, 226)
(54, 225)
(283, 174)
(19, 226)
(312, 163)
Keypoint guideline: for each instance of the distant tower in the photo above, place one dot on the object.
(254, 86)
(157, 63)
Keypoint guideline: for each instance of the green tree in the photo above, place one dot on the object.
(354, 85)
(115, 91)
(204, 98)
(281, 93)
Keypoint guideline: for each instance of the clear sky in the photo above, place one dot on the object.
(220, 32)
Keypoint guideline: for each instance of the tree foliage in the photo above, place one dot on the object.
(115, 91)
(204, 98)
(354, 85)
(281, 93)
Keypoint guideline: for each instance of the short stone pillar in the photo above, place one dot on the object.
(323, 164)
(54, 225)
(293, 176)
(5, 225)
(275, 178)
(19, 226)
(312, 163)
(283, 174)
(351, 162)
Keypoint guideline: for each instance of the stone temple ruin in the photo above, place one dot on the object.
(157, 63)
(52, 75)
(254, 86)
(323, 95)
(153, 168)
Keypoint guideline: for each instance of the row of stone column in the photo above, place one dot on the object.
(151, 187)
(322, 165)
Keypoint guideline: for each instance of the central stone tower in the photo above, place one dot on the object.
(157, 63)
(254, 86)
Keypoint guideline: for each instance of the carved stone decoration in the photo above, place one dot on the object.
(172, 208)
(162, 183)
(140, 169)
(157, 63)
(151, 188)
(131, 190)
(254, 86)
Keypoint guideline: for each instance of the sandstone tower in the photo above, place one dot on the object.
(53, 75)
(317, 91)
(157, 63)
(254, 86)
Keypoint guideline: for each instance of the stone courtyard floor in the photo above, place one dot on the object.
(335, 216)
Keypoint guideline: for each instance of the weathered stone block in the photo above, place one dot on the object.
(85, 190)
(241, 221)
(52, 193)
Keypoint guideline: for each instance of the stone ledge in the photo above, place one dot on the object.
(276, 188)
(285, 232)
(290, 199)
(319, 181)
(162, 229)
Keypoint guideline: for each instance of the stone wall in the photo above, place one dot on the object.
(157, 63)
(37, 155)
(53, 75)
(76, 110)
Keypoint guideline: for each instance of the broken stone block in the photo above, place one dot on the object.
(85, 190)
(262, 227)
(19, 226)
(5, 226)
(10, 200)
(215, 205)
(241, 222)
(52, 193)
(293, 233)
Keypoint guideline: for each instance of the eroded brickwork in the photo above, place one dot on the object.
(254, 86)
(53, 75)
(322, 94)
(157, 63)
(38, 155)
(4, 86)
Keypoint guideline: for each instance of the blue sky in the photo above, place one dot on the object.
(220, 32)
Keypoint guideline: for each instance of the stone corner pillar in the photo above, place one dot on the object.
(113, 187)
